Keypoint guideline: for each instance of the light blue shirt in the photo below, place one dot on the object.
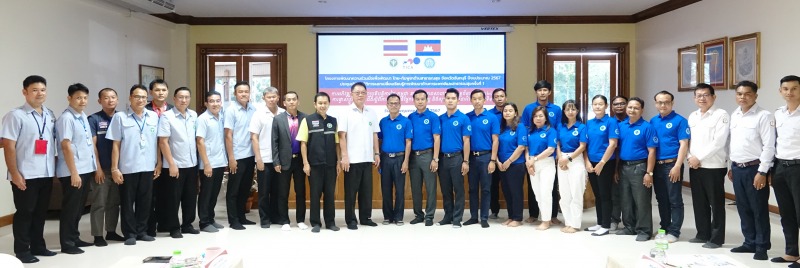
(181, 132)
(138, 140)
(237, 119)
(210, 129)
(24, 125)
(75, 127)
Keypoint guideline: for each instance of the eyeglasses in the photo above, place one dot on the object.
(359, 93)
(663, 103)
(139, 97)
(702, 96)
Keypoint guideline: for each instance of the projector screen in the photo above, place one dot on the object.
(404, 63)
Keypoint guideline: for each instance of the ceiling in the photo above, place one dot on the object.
(410, 8)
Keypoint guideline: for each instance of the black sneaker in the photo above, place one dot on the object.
(456, 225)
(484, 224)
(100, 242)
(428, 222)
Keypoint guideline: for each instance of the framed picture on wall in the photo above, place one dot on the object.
(688, 73)
(745, 57)
(149, 73)
(713, 67)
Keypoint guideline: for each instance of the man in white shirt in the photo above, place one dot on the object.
(707, 161)
(752, 152)
(358, 140)
(786, 179)
(261, 137)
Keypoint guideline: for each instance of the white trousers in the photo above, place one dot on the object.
(542, 185)
(571, 184)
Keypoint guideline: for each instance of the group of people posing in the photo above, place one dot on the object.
(155, 153)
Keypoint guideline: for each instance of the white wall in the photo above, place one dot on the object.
(659, 38)
(86, 41)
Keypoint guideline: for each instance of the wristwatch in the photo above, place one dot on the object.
(436, 160)
(650, 173)
(535, 158)
(762, 173)
(569, 158)
(466, 161)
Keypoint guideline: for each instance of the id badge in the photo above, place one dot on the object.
(88, 141)
(40, 147)
(142, 143)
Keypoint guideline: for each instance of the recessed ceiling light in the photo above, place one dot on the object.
(325, 2)
(495, 1)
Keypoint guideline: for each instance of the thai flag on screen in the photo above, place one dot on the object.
(429, 48)
(395, 47)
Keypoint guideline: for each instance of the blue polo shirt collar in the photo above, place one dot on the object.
(669, 116)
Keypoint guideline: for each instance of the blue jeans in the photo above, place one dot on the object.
(670, 198)
(479, 180)
(752, 207)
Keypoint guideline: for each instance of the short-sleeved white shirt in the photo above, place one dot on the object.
(261, 124)
(360, 127)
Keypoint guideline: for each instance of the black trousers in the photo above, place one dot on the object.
(708, 203)
(135, 195)
(452, 185)
(358, 184)
(322, 180)
(295, 172)
(72, 203)
(207, 199)
(176, 193)
(267, 178)
(601, 187)
(786, 184)
(512, 183)
(392, 178)
(753, 208)
(31, 206)
(495, 193)
(238, 190)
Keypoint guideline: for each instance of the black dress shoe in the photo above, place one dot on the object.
(100, 242)
(697, 240)
(245, 221)
(743, 249)
(416, 220)
(190, 230)
(333, 228)
(315, 229)
(27, 258)
(443, 222)
(146, 238)
(81, 243)
(43, 252)
(72, 250)
(760, 255)
(352, 226)
(456, 225)
(470, 222)
(794, 265)
(150, 233)
(428, 222)
(112, 236)
(484, 224)
(369, 223)
(130, 242)
(265, 226)
(237, 226)
(175, 234)
(780, 260)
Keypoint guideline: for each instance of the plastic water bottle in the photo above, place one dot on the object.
(177, 260)
(659, 252)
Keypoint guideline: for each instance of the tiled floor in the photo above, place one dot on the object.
(406, 246)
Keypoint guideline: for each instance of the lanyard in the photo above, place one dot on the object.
(78, 118)
(44, 123)
(141, 126)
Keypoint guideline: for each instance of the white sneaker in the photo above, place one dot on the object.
(614, 226)
(286, 227)
(302, 226)
(671, 238)
(593, 228)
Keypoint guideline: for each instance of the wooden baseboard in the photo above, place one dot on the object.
(6, 220)
(730, 196)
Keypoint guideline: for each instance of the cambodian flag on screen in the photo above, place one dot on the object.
(395, 48)
(429, 48)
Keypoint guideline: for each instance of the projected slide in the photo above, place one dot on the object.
(402, 64)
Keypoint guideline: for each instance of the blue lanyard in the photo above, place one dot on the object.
(141, 126)
(44, 123)
(78, 118)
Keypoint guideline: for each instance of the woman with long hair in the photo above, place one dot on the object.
(511, 146)
(602, 133)
(540, 163)
(571, 168)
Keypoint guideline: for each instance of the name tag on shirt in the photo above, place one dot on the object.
(40, 147)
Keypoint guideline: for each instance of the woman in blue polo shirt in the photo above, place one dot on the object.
(637, 154)
(511, 147)
(601, 141)
(540, 163)
(571, 168)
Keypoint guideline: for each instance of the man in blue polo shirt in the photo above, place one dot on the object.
(28, 144)
(395, 137)
(499, 99)
(543, 91)
(424, 157)
(483, 157)
(673, 134)
(637, 153)
(456, 132)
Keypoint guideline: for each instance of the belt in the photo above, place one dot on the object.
(747, 164)
(449, 155)
(666, 161)
(632, 162)
(421, 152)
(295, 155)
(393, 155)
(787, 163)
(479, 153)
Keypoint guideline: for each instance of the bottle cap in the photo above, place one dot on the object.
(176, 252)
(661, 231)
